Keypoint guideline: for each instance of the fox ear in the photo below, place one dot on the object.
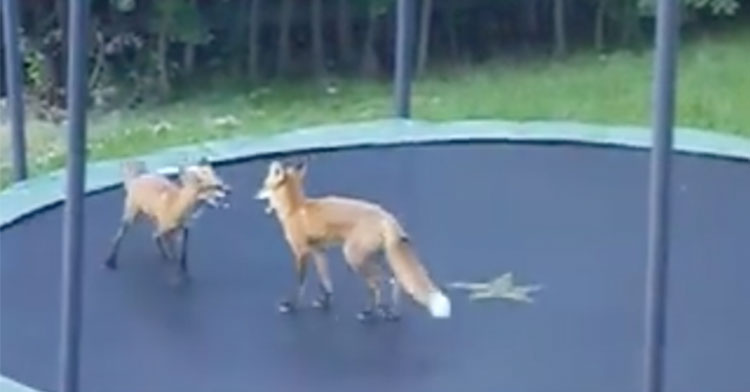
(181, 172)
(301, 168)
(275, 168)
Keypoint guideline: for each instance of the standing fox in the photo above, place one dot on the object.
(362, 229)
(168, 206)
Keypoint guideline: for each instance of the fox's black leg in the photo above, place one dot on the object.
(300, 266)
(177, 240)
(369, 312)
(366, 314)
(324, 299)
(183, 255)
(301, 280)
(159, 240)
(111, 261)
(391, 313)
(358, 256)
(326, 287)
(370, 273)
(168, 248)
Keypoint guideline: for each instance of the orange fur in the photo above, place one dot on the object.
(360, 227)
(167, 205)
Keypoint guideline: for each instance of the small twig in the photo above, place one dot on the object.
(498, 288)
(100, 60)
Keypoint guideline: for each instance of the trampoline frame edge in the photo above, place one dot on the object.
(39, 193)
(11, 385)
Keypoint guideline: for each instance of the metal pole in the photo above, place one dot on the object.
(667, 37)
(73, 224)
(404, 51)
(15, 88)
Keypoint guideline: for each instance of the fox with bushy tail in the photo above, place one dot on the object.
(168, 205)
(410, 272)
(362, 229)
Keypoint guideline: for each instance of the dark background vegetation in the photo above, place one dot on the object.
(147, 51)
(164, 73)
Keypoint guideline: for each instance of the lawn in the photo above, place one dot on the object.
(713, 93)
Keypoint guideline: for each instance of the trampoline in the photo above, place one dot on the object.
(552, 203)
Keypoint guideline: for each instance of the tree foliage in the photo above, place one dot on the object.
(147, 49)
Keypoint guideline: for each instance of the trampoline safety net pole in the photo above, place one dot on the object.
(73, 219)
(667, 35)
(15, 88)
(404, 59)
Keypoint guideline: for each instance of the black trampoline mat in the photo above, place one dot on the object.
(571, 218)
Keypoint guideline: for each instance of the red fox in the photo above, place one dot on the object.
(362, 229)
(168, 206)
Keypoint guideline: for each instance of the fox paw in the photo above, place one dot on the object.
(323, 302)
(366, 315)
(286, 306)
(388, 314)
(110, 263)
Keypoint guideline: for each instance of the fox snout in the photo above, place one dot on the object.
(265, 194)
(217, 197)
(262, 194)
(226, 190)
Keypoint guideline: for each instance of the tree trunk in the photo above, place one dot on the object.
(344, 27)
(100, 61)
(370, 66)
(601, 11)
(425, 21)
(188, 53)
(531, 20)
(561, 46)
(49, 81)
(449, 19)
(165, 88)
(285, 26)
(630, 33)
(387, 28)
(50, 76)
(316, 24)
(61, 9)
(188, 60)
(254, 40)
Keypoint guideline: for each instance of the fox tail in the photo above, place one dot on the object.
(410, 273)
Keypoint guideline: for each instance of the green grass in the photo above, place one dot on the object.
(713, 93)
(713, 88)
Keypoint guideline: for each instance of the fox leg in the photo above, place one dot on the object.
(370, 273)
(111, 261)
(373, 274)
(165, 243)
(183, 254)
(167, 240)
(360, 257)
(300, 268)
(128, 216)
(326, 287)
(180, 235)
(159, 240)
(393, 312)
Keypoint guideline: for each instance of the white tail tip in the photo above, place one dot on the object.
(439, 305)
